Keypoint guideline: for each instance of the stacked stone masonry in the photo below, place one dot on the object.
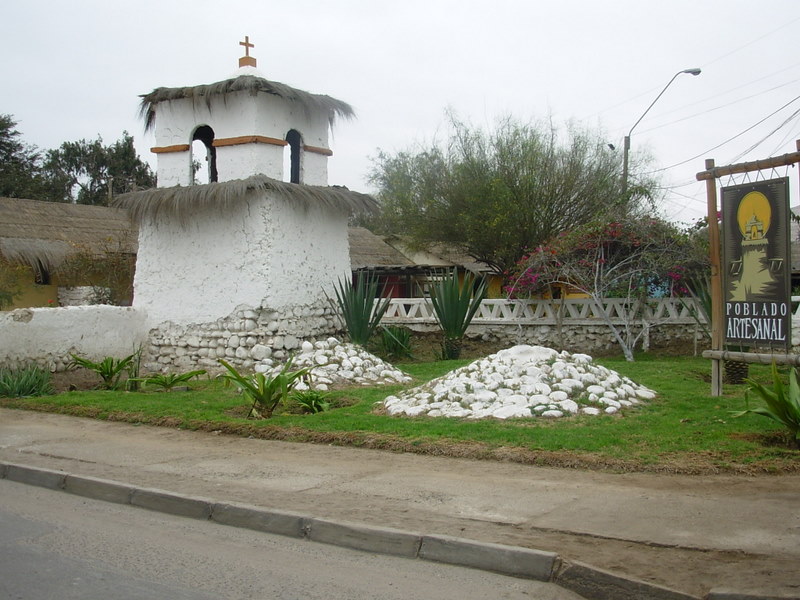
(244, 338)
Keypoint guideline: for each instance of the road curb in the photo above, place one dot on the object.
(585, 580)
(591, 582)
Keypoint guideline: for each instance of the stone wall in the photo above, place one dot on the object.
(588, 339)
(243, 338)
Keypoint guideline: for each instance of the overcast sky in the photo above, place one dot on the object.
(74, 69)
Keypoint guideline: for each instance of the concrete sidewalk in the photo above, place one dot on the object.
(689, 534)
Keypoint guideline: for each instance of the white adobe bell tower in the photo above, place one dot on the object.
(241, 267)
(247, 124)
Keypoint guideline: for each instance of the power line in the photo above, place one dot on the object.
(710, 110)
(741, 133)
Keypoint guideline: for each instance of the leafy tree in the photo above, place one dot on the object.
(11, 280)
(634, 260)
(20, 164)
(88, 172)
(495, 194)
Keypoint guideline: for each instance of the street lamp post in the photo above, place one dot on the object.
(627, 143)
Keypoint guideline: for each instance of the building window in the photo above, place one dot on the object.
(203, 152)
(294, 150)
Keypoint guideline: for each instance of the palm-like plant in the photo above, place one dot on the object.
(168, 381)
(783, 405)
(265, 391)
(109, 369)
(454, 305)
(357, 305)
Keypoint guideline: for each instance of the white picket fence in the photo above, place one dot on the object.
(574, 311)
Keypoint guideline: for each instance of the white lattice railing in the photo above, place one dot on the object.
(575, 311)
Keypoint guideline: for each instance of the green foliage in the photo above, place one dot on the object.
(635, 259)
(265, 391)
(683, 430)
(783, 405)
(20, 164)
(311, 401)
(168, 381)
(496, 193)
(454, 304)
(395, 342)
(89, 172)
(11, 276)
(29, 381)
(357, 305)
(109, 369)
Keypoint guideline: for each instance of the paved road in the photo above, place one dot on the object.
(54, 545)
(690, 533)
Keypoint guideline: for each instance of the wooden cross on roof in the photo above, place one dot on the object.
(247, 60)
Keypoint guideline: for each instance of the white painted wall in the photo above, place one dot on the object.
(236, 115)
(266, 252)
(48, 335)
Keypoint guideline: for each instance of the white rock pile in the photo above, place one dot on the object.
(337, 363)
(523, 381)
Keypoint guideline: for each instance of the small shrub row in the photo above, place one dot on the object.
(28, 381)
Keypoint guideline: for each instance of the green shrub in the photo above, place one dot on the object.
(168, 381)
(454, 306)
(28, 381)
(265, 391)
(357, 305)
(311, 401)
(395, 342)
(109, 369)
(783, 405)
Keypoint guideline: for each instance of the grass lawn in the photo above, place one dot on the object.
(684, 430)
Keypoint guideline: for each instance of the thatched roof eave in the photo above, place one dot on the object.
(185, 201)
(244, 83)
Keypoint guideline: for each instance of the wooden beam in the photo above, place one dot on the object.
(755, 165)
(717, 312)
(166, 149)
(318, 150)
(248, 139)
(753, 358)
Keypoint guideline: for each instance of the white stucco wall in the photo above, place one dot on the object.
(266, 252)
(47, 336)
(239, 114)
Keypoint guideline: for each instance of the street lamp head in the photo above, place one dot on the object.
(692, 71)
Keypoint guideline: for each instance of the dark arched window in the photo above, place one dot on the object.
(295, 146)
(204, 134)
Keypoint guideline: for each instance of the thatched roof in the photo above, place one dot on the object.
(247, 83)
(44, 233)
(184, 201)
(369, 250)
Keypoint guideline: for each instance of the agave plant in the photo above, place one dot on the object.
(168, 381)
(783, 405)
(109, 369)
(265, 391)
(28, 381)
(454, 305)
(357, 305)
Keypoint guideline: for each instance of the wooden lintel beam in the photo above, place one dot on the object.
(167, 149)
(318, 150)
(755, 165)
(249, 139)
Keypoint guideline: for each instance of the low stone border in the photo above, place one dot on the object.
(585, 580)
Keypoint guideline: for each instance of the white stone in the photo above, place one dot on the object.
(553, 414)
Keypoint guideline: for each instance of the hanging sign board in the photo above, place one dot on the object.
(756, 263)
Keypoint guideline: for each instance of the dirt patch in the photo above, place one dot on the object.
(75, 380)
